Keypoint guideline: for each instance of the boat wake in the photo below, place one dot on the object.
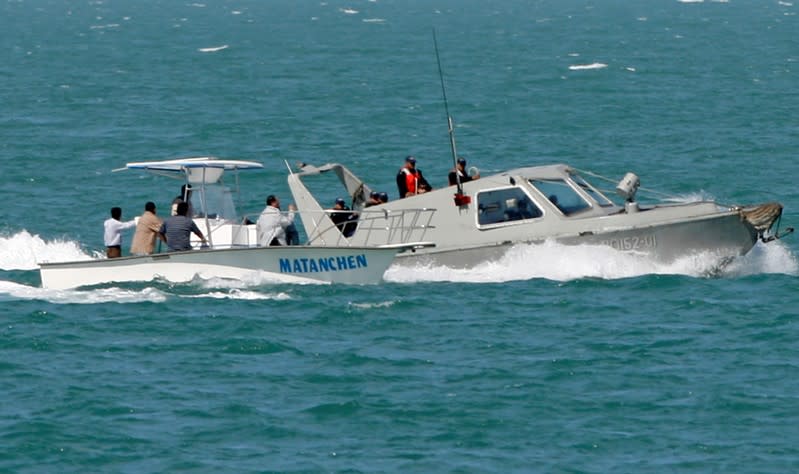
(553, 261)
(17, 291)
(23, 251)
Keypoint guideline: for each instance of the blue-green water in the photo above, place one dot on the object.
(552, 360)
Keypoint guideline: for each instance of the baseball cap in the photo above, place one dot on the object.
(461, 160)
(340, 201)
(410, 159)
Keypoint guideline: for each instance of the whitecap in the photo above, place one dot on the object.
(213, 49)
(581, 67)
(236, 294)
(382, 304)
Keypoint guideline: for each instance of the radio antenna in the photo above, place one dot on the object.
(460, 199)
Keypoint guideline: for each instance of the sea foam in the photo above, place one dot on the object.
(558, 262)
(581, 67)
(95, 296)
(23, 251)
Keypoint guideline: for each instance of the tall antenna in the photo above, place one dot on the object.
(449, 124)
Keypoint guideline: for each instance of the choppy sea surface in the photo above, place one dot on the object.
(553, 359)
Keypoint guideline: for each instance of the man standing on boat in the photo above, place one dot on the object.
(460, 172)
(113, 233)
(146, 231)
(271, 226)
(410, 181)
(176, 230)
(345, 220)
(185, 196)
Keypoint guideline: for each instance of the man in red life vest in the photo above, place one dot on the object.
(410, 181)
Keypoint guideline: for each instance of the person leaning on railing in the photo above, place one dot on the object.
(177, 230)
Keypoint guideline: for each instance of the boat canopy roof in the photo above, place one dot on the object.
(553, 171)
(205, 169)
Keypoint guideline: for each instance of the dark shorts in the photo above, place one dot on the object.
(113, 251)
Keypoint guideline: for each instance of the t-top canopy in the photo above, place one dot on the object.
(206, 169)
(203, 162)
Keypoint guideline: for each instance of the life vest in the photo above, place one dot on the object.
(411, 177)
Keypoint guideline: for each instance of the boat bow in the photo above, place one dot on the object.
(763, 217)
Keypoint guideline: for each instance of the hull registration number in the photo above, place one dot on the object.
(633, 242)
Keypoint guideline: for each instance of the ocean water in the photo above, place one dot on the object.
(553, 359)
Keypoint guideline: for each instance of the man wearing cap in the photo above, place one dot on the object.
(374, 199)
(460, 171)
(410, 181)
(345, 221)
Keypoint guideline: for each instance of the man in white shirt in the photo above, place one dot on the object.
(113, 233)
(272, 223)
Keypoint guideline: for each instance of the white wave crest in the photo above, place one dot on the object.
(213, 49)
(236, 294)
(23, 251)
(558, 262)
(382, 304)
(581, 67)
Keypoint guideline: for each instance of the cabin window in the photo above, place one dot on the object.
(596, 195)
(505, 205)
(563, 196)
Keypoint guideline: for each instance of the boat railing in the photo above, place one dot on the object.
(371, 227)
(367, 227)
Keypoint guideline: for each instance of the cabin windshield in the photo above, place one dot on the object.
(218, 199)
(598, 197)
(563, 196)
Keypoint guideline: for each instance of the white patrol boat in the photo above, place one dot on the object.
(232, 250)
(480, 220)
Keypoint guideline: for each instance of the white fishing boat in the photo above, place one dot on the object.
(480, 220)
(232, 251)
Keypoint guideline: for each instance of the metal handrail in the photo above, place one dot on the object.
(374, 227)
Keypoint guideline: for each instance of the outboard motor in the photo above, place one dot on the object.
(627, 188)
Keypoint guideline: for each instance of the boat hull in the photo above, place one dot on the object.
(723, 235)
(300, 264)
